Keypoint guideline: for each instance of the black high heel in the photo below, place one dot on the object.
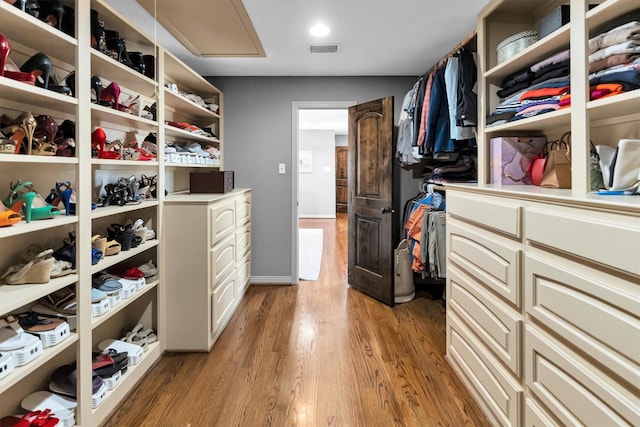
(114, 44)
(71, 82)
(137, 59)
(96, 88)
(42, 63)
(52, 12)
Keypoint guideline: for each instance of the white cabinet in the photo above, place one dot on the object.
(545, 282)
(208, 252)
(571, 344)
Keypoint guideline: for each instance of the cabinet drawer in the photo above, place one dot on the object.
(591, 309)
(222, 302)
(493, 260)
(221, 220)
(577, 392)
(223, 259)
(489, 212)
(243, 274)
(535, 416)
(243, 241)
(499, 392)
(584, 233)
(243, 210)
(497, 325)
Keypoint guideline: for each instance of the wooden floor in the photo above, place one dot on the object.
(317, 354)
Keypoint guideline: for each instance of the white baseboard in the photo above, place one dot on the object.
(271, 280)
(318, 216)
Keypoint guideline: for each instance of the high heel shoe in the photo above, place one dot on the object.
(96, 88)
(33, 205)
(52, 12)
(39, 62)
(20, 128)
(8, 216)
(6, 63)
(46, 128)
(112, 151)
(38, 270)
(62, 193)
(111, 94)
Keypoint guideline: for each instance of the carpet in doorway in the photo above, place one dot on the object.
(309, 253)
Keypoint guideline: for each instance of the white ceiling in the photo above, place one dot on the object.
(377, 37)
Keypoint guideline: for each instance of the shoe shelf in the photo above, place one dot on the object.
(47, 101)
(177, 132)
(108, 68)
(13, 297)
(133, 375)
(102, 113)
(99, 320)
(49, 160)
(39, 225)
(176, 71)
(116, 210)
(28, 30)
(20, 373)
(112, 260)
(113, 20)
(190, 165)
(131, 163)
(185, 106)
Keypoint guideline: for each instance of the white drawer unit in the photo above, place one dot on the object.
(576, 391)
(243, 273)
(499, 394)
(492, 213)
(493, 260)
(594, 311)
(223, 258)
(496, 325)
(222, 301)
(222, 219)
(243, 210)
(555, 311)
(202, 265)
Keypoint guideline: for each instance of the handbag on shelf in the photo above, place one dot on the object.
(620, 166)
(597, 181)
(557, 168)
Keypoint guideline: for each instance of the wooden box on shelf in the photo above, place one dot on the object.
(211, 182)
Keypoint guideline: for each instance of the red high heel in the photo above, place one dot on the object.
(15, 74)
(98, 140)
(111, 94)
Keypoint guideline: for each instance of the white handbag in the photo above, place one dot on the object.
(620, 166)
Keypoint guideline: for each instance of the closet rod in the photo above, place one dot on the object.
(453, 51)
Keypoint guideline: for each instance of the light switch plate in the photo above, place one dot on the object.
(281, 169)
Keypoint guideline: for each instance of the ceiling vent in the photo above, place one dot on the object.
(324, 48)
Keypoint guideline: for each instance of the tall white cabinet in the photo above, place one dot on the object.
(543, 286)
(87, 176)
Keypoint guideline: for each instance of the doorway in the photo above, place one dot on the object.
(314, 173)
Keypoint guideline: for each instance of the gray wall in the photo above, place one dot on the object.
(257, 136)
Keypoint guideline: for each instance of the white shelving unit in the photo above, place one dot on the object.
(88, 176)
(534, 274)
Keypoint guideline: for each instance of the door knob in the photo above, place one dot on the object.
(386, 210)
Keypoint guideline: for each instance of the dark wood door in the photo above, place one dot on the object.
(342, 174)
(371, 199)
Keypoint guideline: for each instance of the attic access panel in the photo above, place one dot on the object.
(209, 28)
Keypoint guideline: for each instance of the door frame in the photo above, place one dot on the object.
(296, 106)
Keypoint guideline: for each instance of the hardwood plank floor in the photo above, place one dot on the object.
(317, 354)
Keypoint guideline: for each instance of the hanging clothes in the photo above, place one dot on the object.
(451, 77)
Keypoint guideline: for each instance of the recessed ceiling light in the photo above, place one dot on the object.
(319, 30)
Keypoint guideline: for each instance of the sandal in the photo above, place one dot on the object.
(36, 322)
(8, 216)
(148, 269)
(68, 251)
(63, 301)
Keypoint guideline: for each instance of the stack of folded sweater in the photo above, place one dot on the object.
(614, 57)
(614, 64)
(536, 90)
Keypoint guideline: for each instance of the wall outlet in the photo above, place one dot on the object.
(281, 169)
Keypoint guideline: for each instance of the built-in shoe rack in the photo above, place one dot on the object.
(87, 175)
